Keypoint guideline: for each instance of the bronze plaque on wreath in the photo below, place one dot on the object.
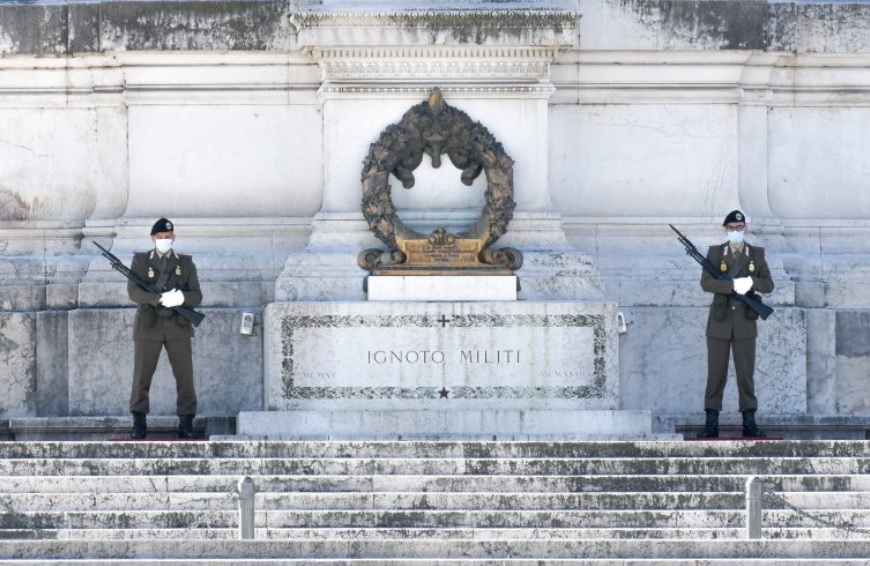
(435, 128)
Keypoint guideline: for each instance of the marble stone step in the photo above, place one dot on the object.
(436, 466)
(452, 562)
(444, 502)
(434, 483)
(442, 450)
(460, 422)
(40, 502)
(434, 549)
(357, 533)
(434, 519)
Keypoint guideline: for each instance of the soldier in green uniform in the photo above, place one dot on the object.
(157, 326)
(731, 326)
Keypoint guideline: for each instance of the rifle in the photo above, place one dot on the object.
(191, 315)
(763, 310)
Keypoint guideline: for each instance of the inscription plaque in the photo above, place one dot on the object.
(419, 351)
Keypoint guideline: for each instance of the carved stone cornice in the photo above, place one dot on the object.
(435, 63)
(554, 28)
(543, 90)
(436, 46)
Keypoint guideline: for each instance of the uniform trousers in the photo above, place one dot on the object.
(717, 372)
(146, 353)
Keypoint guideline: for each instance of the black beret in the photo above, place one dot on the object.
(162, 225)
(734, 216)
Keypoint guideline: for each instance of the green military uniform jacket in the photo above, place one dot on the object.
(153, 321)
(731, 318)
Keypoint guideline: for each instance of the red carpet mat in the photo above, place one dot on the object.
(760, 438)
(157, 439)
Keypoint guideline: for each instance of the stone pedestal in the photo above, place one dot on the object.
(449, 424)
(460, 369)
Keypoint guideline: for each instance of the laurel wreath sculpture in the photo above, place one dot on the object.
(434, 128)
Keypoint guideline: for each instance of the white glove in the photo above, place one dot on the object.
(174, 298)
(742, 285)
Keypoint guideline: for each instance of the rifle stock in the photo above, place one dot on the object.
(193, 316)
(763, 310)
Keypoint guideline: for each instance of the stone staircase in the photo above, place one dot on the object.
(428, 503)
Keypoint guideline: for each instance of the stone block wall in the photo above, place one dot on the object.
(18, 360)
(663, 362)
(80, 363)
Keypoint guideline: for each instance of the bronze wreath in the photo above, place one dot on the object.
(435, 128)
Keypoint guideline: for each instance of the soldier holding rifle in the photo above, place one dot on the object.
(733, 271)
(172, 285)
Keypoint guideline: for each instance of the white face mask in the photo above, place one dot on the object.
(735, 237)
(163, 245)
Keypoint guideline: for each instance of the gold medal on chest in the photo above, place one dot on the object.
(751, 266)
(150, 273)
(178, 270)
(722, 267)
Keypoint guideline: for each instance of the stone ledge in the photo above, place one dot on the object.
(434, 551)
(105, 428)
(792, 427)
(448, 425)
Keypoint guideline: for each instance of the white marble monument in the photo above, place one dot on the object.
(437, 369)
(247, 123)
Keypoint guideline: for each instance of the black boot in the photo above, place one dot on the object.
(185, 427)
(711, 427)
(749, 427)
(140, 426)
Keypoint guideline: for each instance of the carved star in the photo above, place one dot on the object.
(444, 393)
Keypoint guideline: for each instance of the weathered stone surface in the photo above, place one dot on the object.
(110, 25)
(448, 423)
(58, 28)
(39, 29)
(720, 25)
(18, 365)
(852, 395)
(852, 362)
(226, 365)
(663, 358)
(62, 164)
(52, 358)
(821, 362)
(543, 500)
(681, 24)
(852, 330)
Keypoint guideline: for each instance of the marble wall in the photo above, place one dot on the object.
(247, 123)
